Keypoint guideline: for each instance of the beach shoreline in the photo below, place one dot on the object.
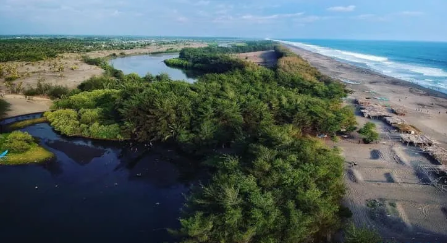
(386, 190)
(314, 59)
(426, 108)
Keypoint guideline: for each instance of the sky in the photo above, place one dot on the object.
(276, 19)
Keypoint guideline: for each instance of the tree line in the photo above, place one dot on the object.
(36, 49)
(271, 180)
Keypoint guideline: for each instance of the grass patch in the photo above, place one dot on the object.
(26, 123)
(36, 154)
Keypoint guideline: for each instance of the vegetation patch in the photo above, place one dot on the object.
(22, 149)
(46, 89)
(361, 235)
(26, 123)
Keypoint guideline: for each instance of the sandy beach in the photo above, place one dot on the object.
(386, 187)
(431, 120)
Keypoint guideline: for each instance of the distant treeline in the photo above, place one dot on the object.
(30, 49)
(215, 59)
(271, 180)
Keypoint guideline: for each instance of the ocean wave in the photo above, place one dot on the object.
(364, 56)
(350, 56)
(427, 76)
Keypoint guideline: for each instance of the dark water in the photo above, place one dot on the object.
(93, 192)
(153, 64)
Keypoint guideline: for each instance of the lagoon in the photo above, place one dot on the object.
(142, 64)
(94, 192)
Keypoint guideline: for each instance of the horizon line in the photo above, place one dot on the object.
(227, 37)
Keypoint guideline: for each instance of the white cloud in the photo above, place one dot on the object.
(349, 8)
(309, 19)
(273, 16)
(411, 13)
(364, 16)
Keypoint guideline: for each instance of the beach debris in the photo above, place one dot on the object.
(374, 111)
(349, 81)
(417, 140)
(394, 120)
(399, 111)
(438, 153)
(36, 187)
(139, 174)
(157, 203)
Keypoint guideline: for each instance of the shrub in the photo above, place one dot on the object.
(58, 91)
(50, 90)
(18, 142)
(11, 78)
(361, 235)
(369, 133)
(17, 146)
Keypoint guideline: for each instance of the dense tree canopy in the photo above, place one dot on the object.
(274, 183)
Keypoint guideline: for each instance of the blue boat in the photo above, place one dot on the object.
(3, 154)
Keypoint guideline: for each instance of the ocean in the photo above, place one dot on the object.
(424, 63)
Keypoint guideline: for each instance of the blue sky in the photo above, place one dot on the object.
(342, 19)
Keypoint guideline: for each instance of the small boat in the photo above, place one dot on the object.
(3, 154)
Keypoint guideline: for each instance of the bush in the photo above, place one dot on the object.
(11, 78)
(58, 91)
(369, 133)
(17, 146)
(20, 136)
(50, 90)
(18, 142)
(361, 235)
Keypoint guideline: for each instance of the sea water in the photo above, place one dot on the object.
(424, 63)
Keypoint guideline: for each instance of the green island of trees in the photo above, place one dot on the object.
(215, 59)
(22, 149)
(254, 127)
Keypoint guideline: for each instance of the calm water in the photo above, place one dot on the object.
(424, 63)
(93, 192)
(153, 64)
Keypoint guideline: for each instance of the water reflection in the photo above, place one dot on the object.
(94, 192)
(153, 64)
